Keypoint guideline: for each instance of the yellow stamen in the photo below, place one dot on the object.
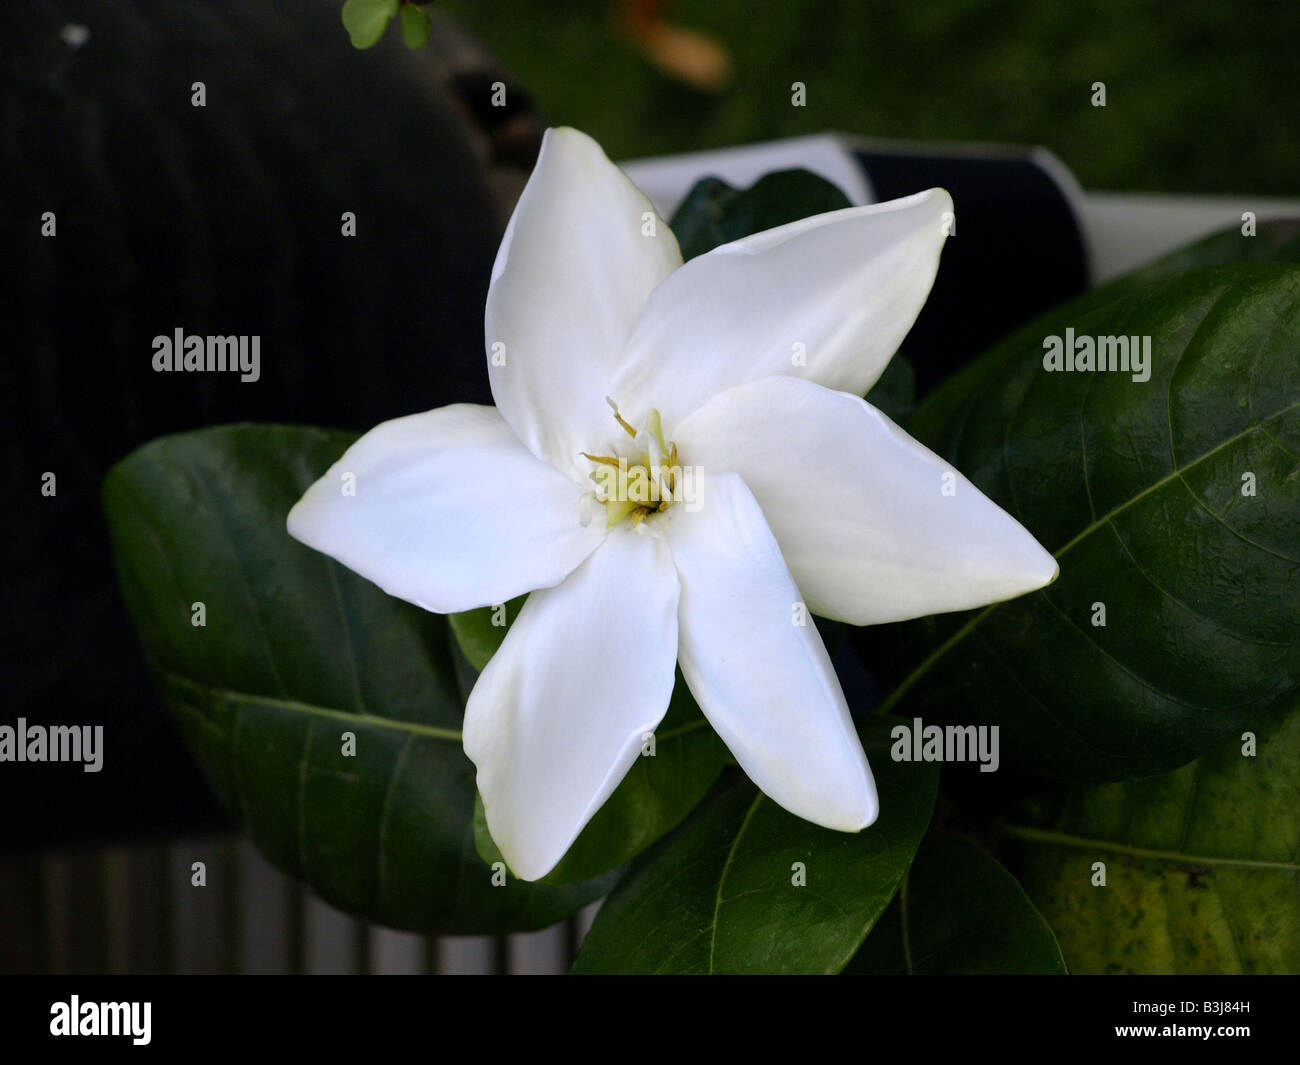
(646, 482)
(627, 428)
(655, 424)
(619, 418)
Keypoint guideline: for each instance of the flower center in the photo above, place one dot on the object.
(646, 482)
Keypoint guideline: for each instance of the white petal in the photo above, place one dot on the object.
(574, 271)
(764, 681)
(874, 526)
(828, 298)
(560, 712)
(450, 512)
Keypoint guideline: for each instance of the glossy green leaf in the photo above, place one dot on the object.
(1275, 241)
(416, 26)
(715, 213)
(722, 894)
(959, 912)
(1202, 866)
(1143, 491)
(366, 20)
(296, 653)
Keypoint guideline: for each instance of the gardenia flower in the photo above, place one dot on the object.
(679, 465)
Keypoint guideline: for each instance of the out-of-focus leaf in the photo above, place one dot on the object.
(1202, 865)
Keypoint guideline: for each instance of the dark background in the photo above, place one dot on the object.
(224, 219)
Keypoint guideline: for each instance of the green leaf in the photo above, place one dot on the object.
(1138, 490)
(714, 213)
(366, 20)
(296, 652)
(416, 25)
(658, 791)
(477, 634)
(1202, 865)
(959, 912)
(719, 895)
(1276, 241)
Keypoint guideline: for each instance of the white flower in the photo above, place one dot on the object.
(750, 362)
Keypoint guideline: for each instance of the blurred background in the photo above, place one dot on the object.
(225, 219)
(1201, 95)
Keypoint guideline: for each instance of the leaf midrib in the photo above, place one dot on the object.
(414, 727)
(722, 877)
(1066, 839)
(397, 724)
